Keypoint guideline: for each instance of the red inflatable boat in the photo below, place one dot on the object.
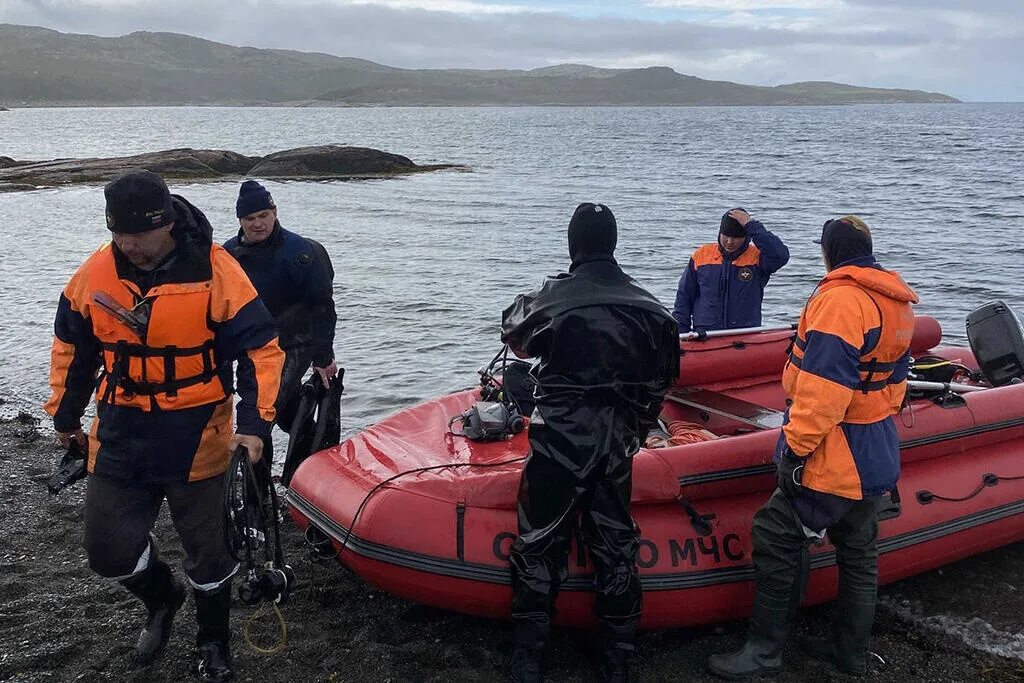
(434, 514)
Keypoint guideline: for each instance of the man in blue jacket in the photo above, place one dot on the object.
(723, 285)
(295, 280)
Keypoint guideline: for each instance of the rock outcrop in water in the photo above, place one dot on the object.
(323, 162)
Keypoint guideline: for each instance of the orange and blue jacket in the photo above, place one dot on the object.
(723, 291)
(158, 348)
(846, 378)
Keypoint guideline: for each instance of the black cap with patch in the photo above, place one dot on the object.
(138, 202)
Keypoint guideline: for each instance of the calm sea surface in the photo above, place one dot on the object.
(426, 263)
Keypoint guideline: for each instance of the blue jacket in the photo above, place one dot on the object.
(720, 291)
(295, 280)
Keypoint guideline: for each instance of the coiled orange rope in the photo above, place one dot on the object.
(681, 433)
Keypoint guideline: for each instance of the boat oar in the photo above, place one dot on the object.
(711, 334)
(944, 386)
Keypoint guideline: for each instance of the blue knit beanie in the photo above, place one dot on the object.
(252, 197)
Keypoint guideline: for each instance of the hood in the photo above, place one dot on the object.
(593, 234)
(191, 224)
(886, 282)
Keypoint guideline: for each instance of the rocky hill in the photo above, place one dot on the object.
(42, 67)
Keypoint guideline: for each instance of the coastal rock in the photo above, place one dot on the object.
(325, 161)
(331, 161)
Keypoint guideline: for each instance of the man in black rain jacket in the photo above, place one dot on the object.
(608, 351)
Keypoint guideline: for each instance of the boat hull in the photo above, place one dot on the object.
(431, 517)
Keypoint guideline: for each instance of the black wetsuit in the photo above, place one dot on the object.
(607, 352)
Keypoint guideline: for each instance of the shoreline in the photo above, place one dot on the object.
(60, 622)
(314, 104)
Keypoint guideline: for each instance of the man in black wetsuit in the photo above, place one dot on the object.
(607, 351)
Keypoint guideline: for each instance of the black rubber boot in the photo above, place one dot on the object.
(618, 645)
(824, 650)
(213, 650)
(761, 655)
(527, 662)
(855, 538)
(782, 566)
(163, 595)
(847, 649)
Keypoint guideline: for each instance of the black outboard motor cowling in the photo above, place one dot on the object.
(997, 341)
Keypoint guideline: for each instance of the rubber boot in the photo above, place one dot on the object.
(775, 608)
(213, 650)
(163, 595)
(821, 649)
(761, 654)
(847, 649)
(527, 662)
(618, 645)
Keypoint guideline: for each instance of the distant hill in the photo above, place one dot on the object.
(40, 67)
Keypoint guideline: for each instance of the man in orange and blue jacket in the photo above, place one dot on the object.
(723, 285)
(153, 322)
(837, 454)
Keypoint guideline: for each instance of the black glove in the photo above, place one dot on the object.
(789, 472)
(72, 468)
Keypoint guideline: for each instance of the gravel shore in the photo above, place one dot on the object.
(59, 622)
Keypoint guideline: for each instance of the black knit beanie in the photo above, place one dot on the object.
(252, 197)
(138, 202)
(731, 227)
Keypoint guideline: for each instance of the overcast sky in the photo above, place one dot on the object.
(973, 50)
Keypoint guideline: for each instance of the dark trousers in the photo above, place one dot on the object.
(552, 496)
(781, 547)
(119, 517)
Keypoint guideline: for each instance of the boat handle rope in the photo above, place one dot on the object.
(925, 497)
(369, 494)
(701, 523)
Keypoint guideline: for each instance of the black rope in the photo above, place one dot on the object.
(431, 468)
(502, 392)
(925, 497)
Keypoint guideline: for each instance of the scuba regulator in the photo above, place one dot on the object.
(252, 512)
(488, 421)
(506, 392)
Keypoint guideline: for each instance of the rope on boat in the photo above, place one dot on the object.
(925, 497)
(680, 433)
(418, 470)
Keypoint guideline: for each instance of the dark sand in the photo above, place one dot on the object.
(58, 622)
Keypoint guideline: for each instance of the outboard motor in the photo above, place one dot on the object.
(997, 341)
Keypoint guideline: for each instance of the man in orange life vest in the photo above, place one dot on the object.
(837, 454)
(723, 284)
(158, 316)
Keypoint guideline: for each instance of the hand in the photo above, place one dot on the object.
(78, 436)
(253, 444)
(740, 216)
(789, 472)
(328, 373)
